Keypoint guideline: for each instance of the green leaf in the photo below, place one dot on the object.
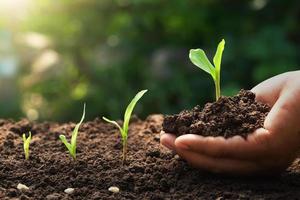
(114, 123)
(72, 146)
(218, 56)
(127, 115)
(26, 144)
(129, 110)
(75, 132)
(24, 138)
(199, 58)
(67, 144)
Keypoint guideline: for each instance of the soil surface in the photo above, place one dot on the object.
(152, 172)
(227, 117)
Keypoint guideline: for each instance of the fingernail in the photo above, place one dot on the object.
(262, 131)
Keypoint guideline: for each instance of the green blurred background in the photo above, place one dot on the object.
(55, 55)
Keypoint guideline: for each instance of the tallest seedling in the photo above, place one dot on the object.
(199, 58)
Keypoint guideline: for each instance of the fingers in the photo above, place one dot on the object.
(285, 113)
(218, 165)
(259, 153)
(211, 146)
(257, 145)
(265, 97)
(269, 90)
(168, 140)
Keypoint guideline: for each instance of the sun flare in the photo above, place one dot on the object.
(14, 8)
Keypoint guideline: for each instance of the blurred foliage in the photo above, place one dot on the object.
(103, 52)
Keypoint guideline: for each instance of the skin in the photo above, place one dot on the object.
(268, 150)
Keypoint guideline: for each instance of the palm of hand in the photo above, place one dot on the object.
(267, 150)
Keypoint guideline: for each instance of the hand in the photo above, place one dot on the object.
(268, 150)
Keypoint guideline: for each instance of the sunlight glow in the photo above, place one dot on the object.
(14, 8)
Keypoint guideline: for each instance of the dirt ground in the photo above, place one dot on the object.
(151, 172)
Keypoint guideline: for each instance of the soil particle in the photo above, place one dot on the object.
(227, 117)
(151, 171)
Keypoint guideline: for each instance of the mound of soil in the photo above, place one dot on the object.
(151, 172)
(227, 117)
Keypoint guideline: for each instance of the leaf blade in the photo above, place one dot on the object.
(199, 58)
(75, 132)
(114, 123)
(24, 138)
(218, 56)
(26, 144)
(129, 110)
(66, 143)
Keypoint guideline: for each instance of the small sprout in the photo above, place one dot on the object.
(69, 190)
(127, 115)
(72, 146)
(22, 187)
(199, 58)
(26, 144)
(114, 189)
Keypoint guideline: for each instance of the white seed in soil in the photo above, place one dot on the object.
(69, 190)
(114, 189)
(23, 187)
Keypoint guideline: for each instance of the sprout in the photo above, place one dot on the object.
(26, 144)
(72, 146)
(127, 115)
(198, 58)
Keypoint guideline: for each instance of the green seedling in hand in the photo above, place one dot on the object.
(26, 144)
(127, 115)
(72, 146)
(198, 58)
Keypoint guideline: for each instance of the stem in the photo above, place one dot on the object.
(217, 86)
(124, 142)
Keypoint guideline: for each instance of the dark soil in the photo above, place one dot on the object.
(229, 116)
(151, 172)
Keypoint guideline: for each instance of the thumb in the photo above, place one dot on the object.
(269, 90)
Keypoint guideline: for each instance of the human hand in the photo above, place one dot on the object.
(268, 150)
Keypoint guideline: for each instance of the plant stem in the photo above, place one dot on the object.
(217, 86)
(124, 142)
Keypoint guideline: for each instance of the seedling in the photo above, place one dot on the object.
(26, 144)
(72, 146)
(199, 58)
(127, 115)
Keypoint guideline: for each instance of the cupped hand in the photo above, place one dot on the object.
(268, 150)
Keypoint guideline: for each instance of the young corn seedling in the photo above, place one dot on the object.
(124, 129)
(198, 58)
(26, 144)
(72, 146)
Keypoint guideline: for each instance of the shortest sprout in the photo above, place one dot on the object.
(72, 146)
(26, 144)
